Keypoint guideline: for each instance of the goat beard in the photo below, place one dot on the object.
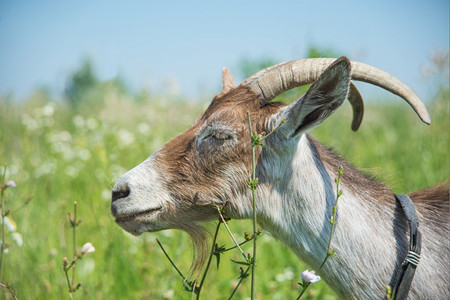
(199, 236)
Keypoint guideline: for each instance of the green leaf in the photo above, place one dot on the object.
(253, 183)
(340, 171)
(244, 263)
(332, 252)
(332, 220)
(244, 274)
(217, 255)
(217, 252)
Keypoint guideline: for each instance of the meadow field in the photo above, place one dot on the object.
(58, 153)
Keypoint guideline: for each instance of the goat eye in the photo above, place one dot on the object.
(220, 136)
(214, 139)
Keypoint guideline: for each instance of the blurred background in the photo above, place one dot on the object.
(89, 89)
(181, 47)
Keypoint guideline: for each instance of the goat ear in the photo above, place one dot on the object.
(324, 96)
(227, 80)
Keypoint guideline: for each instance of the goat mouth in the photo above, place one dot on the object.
(130, 217)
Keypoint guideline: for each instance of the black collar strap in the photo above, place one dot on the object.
(405, 273)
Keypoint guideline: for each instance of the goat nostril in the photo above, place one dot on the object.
(120, 194)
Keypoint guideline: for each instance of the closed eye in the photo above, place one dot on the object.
(216, 137)
(220, 135)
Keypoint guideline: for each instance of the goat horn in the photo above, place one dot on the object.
(355, 99)
(274, 80)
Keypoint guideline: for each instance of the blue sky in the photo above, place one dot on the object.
(149, 42)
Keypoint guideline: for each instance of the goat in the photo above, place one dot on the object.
(210, 163)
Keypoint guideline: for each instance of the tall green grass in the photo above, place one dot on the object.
(60, 155)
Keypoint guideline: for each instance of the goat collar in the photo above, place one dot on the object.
(405, 273)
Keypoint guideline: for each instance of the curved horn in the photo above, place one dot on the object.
(276, 79)
(355, 99)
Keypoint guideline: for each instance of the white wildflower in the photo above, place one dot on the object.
(87, 248)
(169, 294)
(72, 171)
(48, 110)
(78, 121)
(84, 154)
(10, 183)
(288, 274)
(69, 153)
(17, 237)
(125, 137)
(60, 136)
(106, 194)
(91, 124)
(309, 276)
(144, 128)
(30, 123)
(9, 222)
(53, 252)
(280, 277)
(45, 168)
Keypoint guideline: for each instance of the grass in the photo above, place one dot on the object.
(59, 155)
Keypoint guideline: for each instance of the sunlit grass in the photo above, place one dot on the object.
(59, 155)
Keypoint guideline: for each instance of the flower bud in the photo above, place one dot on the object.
(71, 219)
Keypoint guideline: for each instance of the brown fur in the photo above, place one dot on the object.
(433, 204)
(359, 180)
(191, 171)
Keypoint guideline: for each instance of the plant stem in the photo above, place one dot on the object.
(231, 234)
(68, 283)
(239, 283)
(252, 295)
(168, 257)
(306, 285)
(2, 247)
(333, 220)
(234, 247)
(27, 201)
(209, 261)
(74, 235)
(10, 290)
